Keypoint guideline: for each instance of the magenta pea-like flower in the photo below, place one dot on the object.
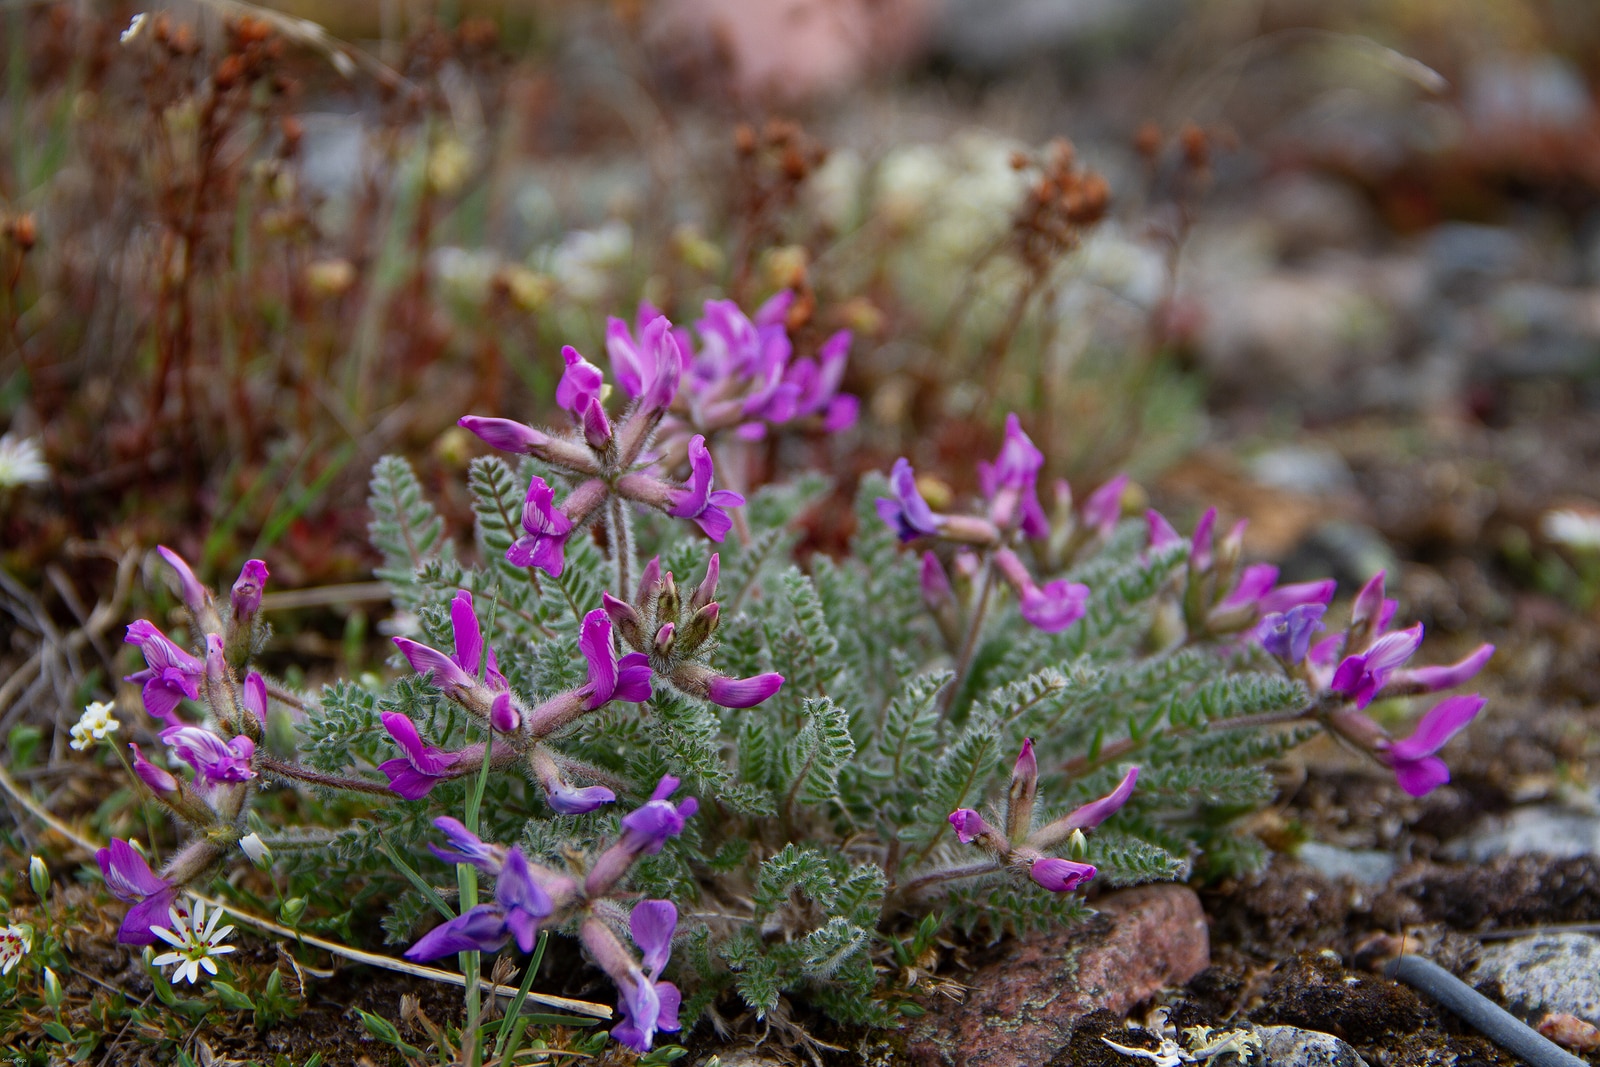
(545, 530)
(580, 382)
(649, 1004)
(907, 514)
(414, 774)
(215, 761)
(130, 880)
(1055, 605)
(1362, 675)
(1287, 635)
(1060, 875)
(471, 652)
(520, 905)
(170, 675)
(1415, 766)
(698, 501)
(610, 678)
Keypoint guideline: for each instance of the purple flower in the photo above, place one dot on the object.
(170, 673)
(1255, 581)
(1200, 542)
(545, 529)
(730, 344)
(215, 761)
(1104, 507)
(1056, 605)
(254, 696)
(1092, 814)
(478, 929)
(1415, 766)
(575, 800)
(774, 311)
(698, 501)
(470, 650)
(504, 434)
(158, 780)
(648, 1004)
(580, 382)
(1433, 679)
(609, 678)
(1371, 611)
(520, 905)
(195, 596)
(907, 513)
(463, 846)
(1361, 676)
(636, 365)
(969, 825)
(1287, 635)
(646, 829)
(247, 589)
(130, 880)
(422, 767)
(816, 384)
(1059, 875)
(742, 692)
(447, 673)
(1296, 594)
(1013, 482)
(1162, 535)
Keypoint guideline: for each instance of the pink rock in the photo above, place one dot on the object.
(789, 49)
(1022, 1007)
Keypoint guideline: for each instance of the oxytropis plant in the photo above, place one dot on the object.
(834, 736)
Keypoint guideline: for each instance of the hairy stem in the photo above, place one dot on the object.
(312, 777)
(948, 874)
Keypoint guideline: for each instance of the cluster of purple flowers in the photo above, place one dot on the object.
(742, 378)
(1347, 671)
(221, 751)
(528, 895)
(1021, 848)
(519, 734)
(1013, 520)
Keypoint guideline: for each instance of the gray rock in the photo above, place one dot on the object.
(1358, 865)
(1464, 253)
(1542, 829)
(1290, 1046)
(1548, 973)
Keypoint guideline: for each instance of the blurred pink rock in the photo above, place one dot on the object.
(787, 50)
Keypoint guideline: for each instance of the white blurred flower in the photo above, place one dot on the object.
(196, 941)
(22, 462)
(15, 943)
(586, 262)
(1575, 529)
(95, 724)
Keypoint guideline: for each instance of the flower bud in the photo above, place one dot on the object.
(700, 628)
(54, 995)
(1078, 846)
(503, 715)
(196, 597)
(1024, 788)
(292, 909)
(649, 582)
(667, 604)
(39, 877)
(706, 591)
(664, 640)
(257, 850)
(626, 620)
(159, 781)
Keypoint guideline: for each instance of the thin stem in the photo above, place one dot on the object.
(969, 646)
(467, 882)
(331, 781)
(971, 870)
(621, 539)
(508, 1025)
(1081, 765)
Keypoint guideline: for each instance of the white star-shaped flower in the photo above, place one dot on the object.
(196, 942)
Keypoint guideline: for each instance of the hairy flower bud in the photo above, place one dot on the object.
(667, 603)
(662, 646)
(706, 591)
(699, 629)
(626, 620)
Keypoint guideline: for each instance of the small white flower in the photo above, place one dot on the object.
(22, 462)
(197, 942)
(257, 850)
(1573, 528)
(15, 943)
(95, 724)
(134, 28)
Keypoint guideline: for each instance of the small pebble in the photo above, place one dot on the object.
(1290, 1046)
(1550, 973)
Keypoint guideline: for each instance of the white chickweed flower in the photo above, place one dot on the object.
(21, 462)
(257, 850)
(196, 941)
(95, 724)
(15, 943)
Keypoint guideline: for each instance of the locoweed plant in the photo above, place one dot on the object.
(625, 715)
